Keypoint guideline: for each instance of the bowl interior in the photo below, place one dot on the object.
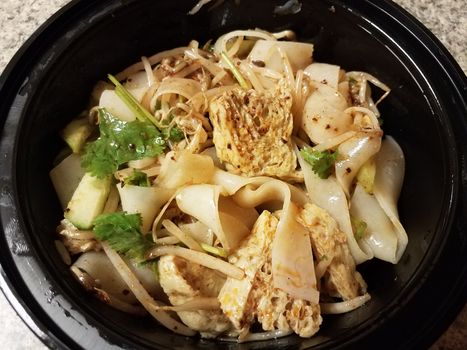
(111, 36)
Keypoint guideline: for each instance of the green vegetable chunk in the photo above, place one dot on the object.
(359, 228)
(321, 162)
(88, 201)
(120, 142)
(174, 134)
(138, 178)
(76, 133)
(122, 232)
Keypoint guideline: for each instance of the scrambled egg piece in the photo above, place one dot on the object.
(252, 132)
(255, 296)
(182, 281)
(341, 278)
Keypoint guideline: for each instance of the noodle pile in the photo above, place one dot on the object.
(272, 182)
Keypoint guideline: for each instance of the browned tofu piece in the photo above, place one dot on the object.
(255, 296)
(328, 242)
(182, 281)
(253, 132)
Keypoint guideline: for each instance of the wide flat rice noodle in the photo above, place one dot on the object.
(146, 201)
(328, 194)
(380, 235)
(390, 169)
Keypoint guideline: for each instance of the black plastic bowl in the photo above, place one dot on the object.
(49, 81)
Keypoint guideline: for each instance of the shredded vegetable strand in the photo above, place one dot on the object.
(199, 258)
(196, 304)
(148, 70)
(255, 82)
(182, 236)
(143, 296)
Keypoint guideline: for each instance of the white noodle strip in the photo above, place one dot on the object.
(142, 295)
(287, 68)
(363, 89)
(161, 213)
(67, 229)
(288, 34)
(152, 61)
(212, 67)
(235, 47)
(202, 98)
(153, 171)
(167, 240)
(122, 305)
(298, 88)
(198, 6)
(265, 335)
(188, 70)
(344, 306)
(372, 79)
(200, 303)
(367, 112)
(257, 336)
(182, 236)
(335, 141)
(202, 259)
(297, 107)
(218, 77)
(148, 70)
(267, 72)
(248, 72)
(221, 43)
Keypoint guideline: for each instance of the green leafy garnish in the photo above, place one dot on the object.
(120, 142)
(123, 234)
(359, 228)
(321, 161)
(132, 103)
(138, 178)
(174, 134)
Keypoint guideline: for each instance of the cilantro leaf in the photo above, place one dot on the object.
(359, 228)
(122, 232)
(321, 162)
(138, 178)
(120, 142)
(174, 134)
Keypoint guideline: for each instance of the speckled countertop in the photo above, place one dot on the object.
(18, 19)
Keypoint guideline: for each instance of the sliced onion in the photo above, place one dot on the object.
(180, 86)
(221, 43)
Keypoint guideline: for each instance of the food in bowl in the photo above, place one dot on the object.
(229, 186)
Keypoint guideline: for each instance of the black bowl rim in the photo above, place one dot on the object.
(410, 26)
